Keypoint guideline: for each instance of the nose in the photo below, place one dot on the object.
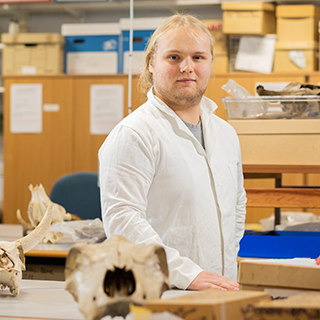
(186, 65)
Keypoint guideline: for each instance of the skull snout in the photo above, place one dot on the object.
(119, 283)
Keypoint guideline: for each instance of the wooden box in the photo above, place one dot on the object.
(220, 39)
(220, 47)
(32, 53)
(220, 63)
(297, 23)
(296, 56)
(256, 18)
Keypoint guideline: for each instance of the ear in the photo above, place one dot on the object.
(151, 64)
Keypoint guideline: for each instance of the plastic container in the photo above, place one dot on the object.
(273, 107)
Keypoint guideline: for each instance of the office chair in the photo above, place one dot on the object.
(79, 194)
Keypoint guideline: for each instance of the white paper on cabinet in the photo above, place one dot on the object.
(26, 108)
(106, 107)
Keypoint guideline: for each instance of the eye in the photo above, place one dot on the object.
(173, 57)
(198, 58)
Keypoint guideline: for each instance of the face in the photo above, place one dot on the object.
(181, 68)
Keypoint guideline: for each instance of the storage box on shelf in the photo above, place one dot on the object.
(297, 48)
(23, 1)
(143, 30)
(296, 23)
(92, 48)
(32, 53)
(296, 56)
(256, 18)
(220, 62)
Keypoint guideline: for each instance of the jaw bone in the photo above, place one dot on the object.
(105, 278)
(12, 260)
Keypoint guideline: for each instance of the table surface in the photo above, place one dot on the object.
(11, 232)
(253, 168)
(47, 300)
(37, 299)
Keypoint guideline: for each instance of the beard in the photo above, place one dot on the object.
(178, 98)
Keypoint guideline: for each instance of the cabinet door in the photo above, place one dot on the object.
(33, 158)
(86, 144)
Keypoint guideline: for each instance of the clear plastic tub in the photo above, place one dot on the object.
(273, 107)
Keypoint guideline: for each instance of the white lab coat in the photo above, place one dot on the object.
(158, 185)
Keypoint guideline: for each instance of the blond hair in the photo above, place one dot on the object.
(172, 23)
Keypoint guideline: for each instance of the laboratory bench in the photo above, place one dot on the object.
(46, 261)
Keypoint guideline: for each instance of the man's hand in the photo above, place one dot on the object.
(210, 280)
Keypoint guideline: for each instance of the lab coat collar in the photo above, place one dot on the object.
(207, 105)
(207, 108)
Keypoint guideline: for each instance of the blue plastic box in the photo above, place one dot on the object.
(143, 29)
(280, 244)
(92, 48)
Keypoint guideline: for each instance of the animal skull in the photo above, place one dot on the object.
(105, 278)
(36, 209)
(12, 260)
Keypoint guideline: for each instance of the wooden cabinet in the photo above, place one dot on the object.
(37, 158)
(65, 144)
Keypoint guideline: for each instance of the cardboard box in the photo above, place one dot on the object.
(295, 274)
(143, 29)
(220, 63)
(295, 60)
(23, 1)
(92, 48)
(297, 307)
(220, 48)
(32, 53)
(275, 141)
(296, 56)
(210, 304)
(297, 23)
(220, 39)
(256, 18)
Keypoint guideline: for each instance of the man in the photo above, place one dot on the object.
(170, 172)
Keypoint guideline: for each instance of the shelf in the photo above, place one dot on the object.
(50, 7)
(86, 6)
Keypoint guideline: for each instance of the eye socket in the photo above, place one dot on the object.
(5, 261)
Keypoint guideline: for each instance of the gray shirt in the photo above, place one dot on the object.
(196, 130)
